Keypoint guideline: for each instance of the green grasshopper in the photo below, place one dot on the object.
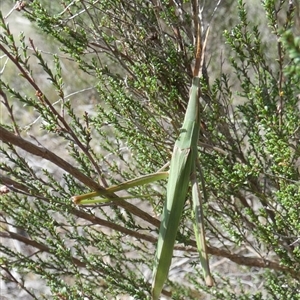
(182, 171)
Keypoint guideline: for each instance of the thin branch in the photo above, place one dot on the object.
(9, 137)
(44, 248)
(9, 109)
(238, 259)
(19, 283)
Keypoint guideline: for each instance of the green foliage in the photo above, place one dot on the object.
(131, 62)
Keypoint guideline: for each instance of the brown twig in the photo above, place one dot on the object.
(238, 259)
(9, 137)
(44, 248)
(45, 101)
